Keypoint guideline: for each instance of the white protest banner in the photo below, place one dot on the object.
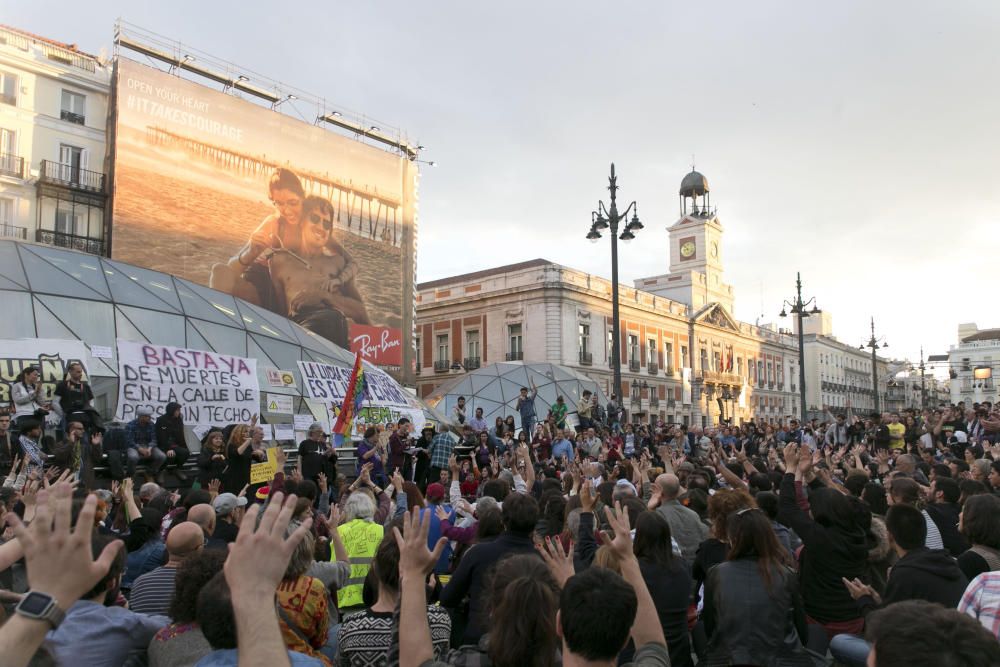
(387, 401)
(50, 357)
(212, 388)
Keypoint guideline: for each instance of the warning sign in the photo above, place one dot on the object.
(280, 404)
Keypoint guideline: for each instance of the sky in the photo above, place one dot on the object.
(855, 142)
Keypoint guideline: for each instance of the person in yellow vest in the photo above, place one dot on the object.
(361, 537)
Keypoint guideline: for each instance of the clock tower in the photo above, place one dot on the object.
(695, 247)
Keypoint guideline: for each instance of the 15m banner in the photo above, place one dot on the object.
(387, 400)
(213, 389)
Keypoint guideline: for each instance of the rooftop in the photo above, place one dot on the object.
(485, 273)
(985, 334)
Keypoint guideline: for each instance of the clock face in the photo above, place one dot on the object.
(715, 250)
(687, 249)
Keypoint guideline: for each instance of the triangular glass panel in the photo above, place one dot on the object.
(260, 320)
(11, 285)
(255, 351)
(157, 283)
(157, 326)
(128, 290)
(480, 382)
(10, 264)
(510, 368)
(223, 339)
(18, 320)
(560, 373)
(91, 322)
(46, 278)
(541, 376)
(50, 324)
(82, 266)
(195, 340)
(225, 303)
(213, 311)
(125, 330)
(285, 355)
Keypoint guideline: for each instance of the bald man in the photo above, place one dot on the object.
(151, 593)
(686, 526)
(203, 515)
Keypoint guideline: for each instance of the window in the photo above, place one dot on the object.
(472, 348)
(668, 357)
(751, 366)
(760, 371)
(8, 88)
(633, 349)
(583, 342)
(442, 348)
(8, 150)
(651, 358)
(684, 356)
(739, 366)
(419, 352)
(717, 361)
(69, 220)
(515, 342)
(704, 360)
(71, 160)
(74, 107)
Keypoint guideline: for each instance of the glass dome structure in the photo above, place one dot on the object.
(495, 388)
(48, 292)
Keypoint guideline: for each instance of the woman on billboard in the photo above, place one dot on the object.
(246, 275)
(315, 286)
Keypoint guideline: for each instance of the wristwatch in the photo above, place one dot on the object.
(42, 607)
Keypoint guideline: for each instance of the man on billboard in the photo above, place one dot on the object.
(292, 265)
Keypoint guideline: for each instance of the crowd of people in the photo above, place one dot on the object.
(578, 539)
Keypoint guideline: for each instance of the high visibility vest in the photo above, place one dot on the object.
(361, 539)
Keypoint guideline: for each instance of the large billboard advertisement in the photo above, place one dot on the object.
(309, 224)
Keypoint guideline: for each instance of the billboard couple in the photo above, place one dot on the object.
(292, 265)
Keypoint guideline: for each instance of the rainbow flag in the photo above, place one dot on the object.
(354, 398)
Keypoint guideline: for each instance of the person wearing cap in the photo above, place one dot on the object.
(317, 456)
(140, 439)
(228, 514)
(434, 498)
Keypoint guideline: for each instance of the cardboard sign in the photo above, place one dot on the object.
(261, 473)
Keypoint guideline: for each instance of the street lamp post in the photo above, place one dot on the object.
(873, 344)
(605, 218)
(923, 391)
(798, 308)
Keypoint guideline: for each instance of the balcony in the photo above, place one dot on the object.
(55, 173)
(442, 366)
(515, 356)
(652, 368)
(71, 241)
(633, 365)
(13, 232)
(71, 117)
(11, 165)
(718, 377)
(586, 358)
(654, 401)
(471, 363)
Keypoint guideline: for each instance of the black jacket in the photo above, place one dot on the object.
(922, 574)
(945, 517)
(830, 552)
(472, 579)
(670, 588)
(749, 623)
(170, 430)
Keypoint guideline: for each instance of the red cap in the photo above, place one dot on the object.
(435, 491)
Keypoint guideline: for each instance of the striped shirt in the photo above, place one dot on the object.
(934, 540)
(152, 592)
(364, 638)
(982, 601)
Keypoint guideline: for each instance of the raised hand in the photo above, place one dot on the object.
(621, 541)
(588, 496)
(213, 487)
(59, 558)
(559, 560)
(259, 557)
(791, 453)
(415, 559)
(321, 482)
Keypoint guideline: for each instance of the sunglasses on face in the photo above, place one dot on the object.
(317, 219)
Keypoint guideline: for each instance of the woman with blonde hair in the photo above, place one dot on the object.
(238, 458)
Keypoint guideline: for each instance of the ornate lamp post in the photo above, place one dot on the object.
(798, 308)
(609, 218)
(873, 343)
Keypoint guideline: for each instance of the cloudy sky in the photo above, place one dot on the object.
(856, 142)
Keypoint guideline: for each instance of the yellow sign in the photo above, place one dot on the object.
(261, 473)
